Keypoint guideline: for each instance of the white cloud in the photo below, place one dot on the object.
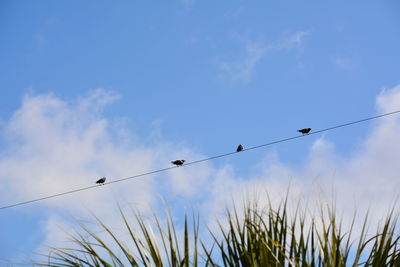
(54, 146)
(367, 179)
(242, 70)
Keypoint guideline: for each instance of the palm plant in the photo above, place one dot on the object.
(145, 249)
(250, 237)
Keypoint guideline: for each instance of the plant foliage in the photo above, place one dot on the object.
(249, 237)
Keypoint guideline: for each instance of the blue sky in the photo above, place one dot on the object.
(106, 83)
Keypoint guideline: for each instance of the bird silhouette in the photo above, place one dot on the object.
(304, 131)
(239, 148)
(101, 181)
(178, 162)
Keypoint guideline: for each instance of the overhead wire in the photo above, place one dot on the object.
(198, 161)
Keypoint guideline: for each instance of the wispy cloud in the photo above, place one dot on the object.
(242, 70)
(188, 3)
(344, 63)
(40, 40)
(293, 40)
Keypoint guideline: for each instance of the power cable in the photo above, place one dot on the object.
(200, 160)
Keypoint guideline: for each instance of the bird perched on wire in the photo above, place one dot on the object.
(101, 181)
(239, 148)
(304, 131)
(178, 162)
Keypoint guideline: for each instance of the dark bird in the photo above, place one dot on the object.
(101, 181)
(304, 131)
(239, 148)
(178, 162)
